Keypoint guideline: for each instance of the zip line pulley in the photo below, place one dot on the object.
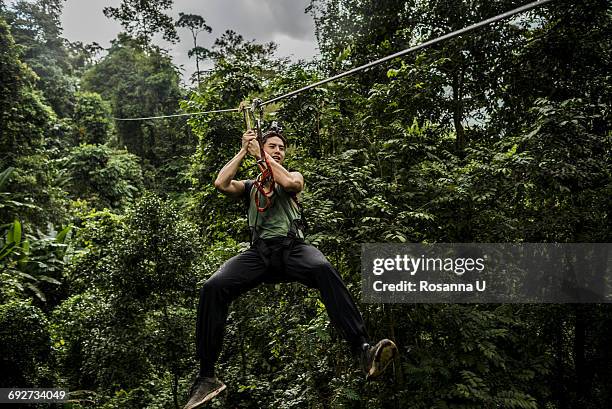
(253, 114)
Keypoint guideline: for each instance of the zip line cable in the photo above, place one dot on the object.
(216, 111)
(415, 48)
(428, 43)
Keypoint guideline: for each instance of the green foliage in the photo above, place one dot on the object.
(562, 164)
(142, 20)
(32, 188)
(8, 205)
(152, 255)
(142, 83)
(25, 123)
(195, 24)
(36, 27)
(24, 118)
(32, 267)
(472, 357)
(12, 241)
(502, 135)
(25, 345)
(91, 118)
(30, 264)
(103, 176)
(142, 267)
(94, 232)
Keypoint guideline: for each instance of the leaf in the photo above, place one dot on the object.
(26, 275)
(36, 291)
(49, 280)
(61, 236)
(17, 232)
(4, 175)
(7, 249)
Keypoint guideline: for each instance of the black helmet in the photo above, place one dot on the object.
(275, 129)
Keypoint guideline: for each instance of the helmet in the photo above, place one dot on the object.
(275, 127)
(275, 130)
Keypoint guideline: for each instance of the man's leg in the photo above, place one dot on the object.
(309, 266)
(238, 275)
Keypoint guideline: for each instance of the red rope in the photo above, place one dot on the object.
(266, 176)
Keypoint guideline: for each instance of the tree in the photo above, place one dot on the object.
(25, 345)
(91, 119)
(143, 19)
(25, 118)
(139, 274)
(83, 56)
(36, 22)
(26, 128)
(36, 27)
(196, 24)
(140, 83)
(103, 176)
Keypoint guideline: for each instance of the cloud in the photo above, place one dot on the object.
(281, 21)
(266, 18)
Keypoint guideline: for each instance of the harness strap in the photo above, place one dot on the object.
(303, 224)
(288, 242)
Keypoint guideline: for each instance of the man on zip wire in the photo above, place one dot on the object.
(278, 253)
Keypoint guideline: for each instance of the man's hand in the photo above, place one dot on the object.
(250, 144)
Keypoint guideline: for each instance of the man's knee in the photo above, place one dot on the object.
(313, 260)
(321, 266)
(211, 286)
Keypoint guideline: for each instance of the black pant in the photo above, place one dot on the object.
(299, 262)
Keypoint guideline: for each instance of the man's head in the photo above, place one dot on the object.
(275, 143)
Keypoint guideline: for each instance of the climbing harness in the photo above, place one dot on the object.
(280, 245)
(253, 114)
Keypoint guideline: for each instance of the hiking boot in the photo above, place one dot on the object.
(203, 390)
(375, 359)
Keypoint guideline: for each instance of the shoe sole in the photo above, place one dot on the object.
(385, 354)
(209, 397)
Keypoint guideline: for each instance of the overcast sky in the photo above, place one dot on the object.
(281, 21)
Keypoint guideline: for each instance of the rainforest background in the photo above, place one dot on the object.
(109, 228)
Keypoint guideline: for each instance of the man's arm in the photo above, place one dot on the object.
(290, 181)
(225, 182)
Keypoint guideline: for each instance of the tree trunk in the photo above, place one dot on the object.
(195, 45)
(582, 376)
(175, 391)
(458, 110)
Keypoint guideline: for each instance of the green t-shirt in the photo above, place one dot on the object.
(276, 220)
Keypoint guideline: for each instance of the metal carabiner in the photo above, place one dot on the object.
(246, 112)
